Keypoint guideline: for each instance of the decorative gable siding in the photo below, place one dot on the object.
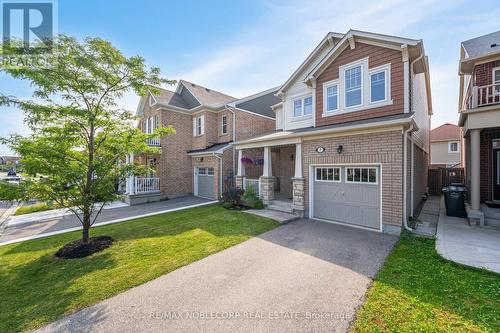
(377, 56)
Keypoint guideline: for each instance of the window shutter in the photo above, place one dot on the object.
(202, 124)
(194, 126)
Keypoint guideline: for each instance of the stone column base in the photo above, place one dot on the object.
(298, 196)
(239, 182)
(267, 189)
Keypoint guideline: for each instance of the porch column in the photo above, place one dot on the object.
(475, 178)
(240, 172)
(298, 182)
(267, 180)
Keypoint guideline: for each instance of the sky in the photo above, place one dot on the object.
(243, 47)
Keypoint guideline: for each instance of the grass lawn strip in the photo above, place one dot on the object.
(36, 287)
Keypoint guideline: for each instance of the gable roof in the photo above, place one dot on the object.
(414, 47)
(482, 45)
(445, 132)
(260, 103)
(206, 96)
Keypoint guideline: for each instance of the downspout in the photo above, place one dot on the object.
(220, 173)
(234, 139)
(405, 175)
(412, 173)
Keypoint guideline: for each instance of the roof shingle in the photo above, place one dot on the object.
(445, 132)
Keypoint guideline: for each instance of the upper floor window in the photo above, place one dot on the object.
(377, 86)
(353, 86)
(496, 75)
(199, 125)
(302, 107)
(224, 124)
(453, 147)
(331, 93)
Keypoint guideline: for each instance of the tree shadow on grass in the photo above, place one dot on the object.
(44, 289)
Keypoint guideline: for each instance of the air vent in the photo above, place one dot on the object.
(193, 85)
(494, 45)
(208, 90)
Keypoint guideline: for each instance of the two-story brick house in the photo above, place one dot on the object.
(199, 158)
(351, 144)
(479, 109)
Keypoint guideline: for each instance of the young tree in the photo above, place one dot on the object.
(79, 134)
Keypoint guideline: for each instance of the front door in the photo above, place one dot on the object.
(496, 174)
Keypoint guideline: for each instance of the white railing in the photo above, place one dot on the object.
(153, 141)
(483, 96)
(255, 183)
(146, 185)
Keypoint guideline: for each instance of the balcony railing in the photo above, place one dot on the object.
(147, 184)
(252, 183)
(483, 96)
(153, 142)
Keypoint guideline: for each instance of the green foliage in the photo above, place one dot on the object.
(418, 291)
(251, 199)
(35, 208)
(13, 192)
(79, 134)
(231, 198)
(36, 287)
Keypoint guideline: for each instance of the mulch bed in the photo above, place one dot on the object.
(77, 249)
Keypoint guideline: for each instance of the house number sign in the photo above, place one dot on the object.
(320, 150)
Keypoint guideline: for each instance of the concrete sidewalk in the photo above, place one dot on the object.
(468, 245)
(66, 223)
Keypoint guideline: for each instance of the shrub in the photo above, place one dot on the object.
(231, 198)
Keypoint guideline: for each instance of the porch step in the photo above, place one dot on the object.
(280, 206)
(495, 223)
(490, 213)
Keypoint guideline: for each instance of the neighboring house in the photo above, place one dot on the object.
(9, 160)
(199, 158)
(352, 134)
(479, 110)
(446, 147)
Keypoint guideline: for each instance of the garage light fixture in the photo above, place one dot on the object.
(340, 148)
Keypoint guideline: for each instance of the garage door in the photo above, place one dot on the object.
(205, 183)
(347, 194)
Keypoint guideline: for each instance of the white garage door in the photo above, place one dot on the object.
(205, 182)
(347, 194)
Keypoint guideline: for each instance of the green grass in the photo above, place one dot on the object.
(39, 207)
(36, 287)
(418, 291)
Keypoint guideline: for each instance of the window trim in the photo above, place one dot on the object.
(199, 125)
(453, 151)
(387, 70)
(377, 175)
(361, 65)
(327, 85)
(326, 180)
(302, 107)
(222, 130)
(494, 70)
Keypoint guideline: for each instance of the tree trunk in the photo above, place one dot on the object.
(86, 227)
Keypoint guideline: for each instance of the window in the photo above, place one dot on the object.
(377, 87)
(332, 98)
(453, 147)
(353, 86)
(496, 75)
(328, 174)
(224, 124)
(297, 108)
(198, 126)
(302, 107)
(361, 175)
(210, 171)
(202, 171)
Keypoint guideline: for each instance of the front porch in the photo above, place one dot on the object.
(275, 174)
(483, 175)
(146, 188)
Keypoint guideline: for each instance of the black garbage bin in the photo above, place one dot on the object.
(454, 199)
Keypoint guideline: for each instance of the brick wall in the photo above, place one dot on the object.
(483, 73)
(377, 56)
(385, 148)
(249, 125)
(174, 167)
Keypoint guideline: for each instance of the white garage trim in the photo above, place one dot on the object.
(311, 192)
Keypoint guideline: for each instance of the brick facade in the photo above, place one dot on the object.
(377, 56)
(385, 148)
(483, 73)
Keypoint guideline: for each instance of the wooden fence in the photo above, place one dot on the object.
(439, 178)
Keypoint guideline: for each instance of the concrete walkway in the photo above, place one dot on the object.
(281, 217)
(18, 232)
(304, 276)
(468, 245)
(428, 217)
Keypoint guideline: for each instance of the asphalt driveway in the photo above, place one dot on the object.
(303, 276)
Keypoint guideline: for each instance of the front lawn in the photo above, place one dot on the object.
(418, 291)
(36, 287)
(35, 208)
